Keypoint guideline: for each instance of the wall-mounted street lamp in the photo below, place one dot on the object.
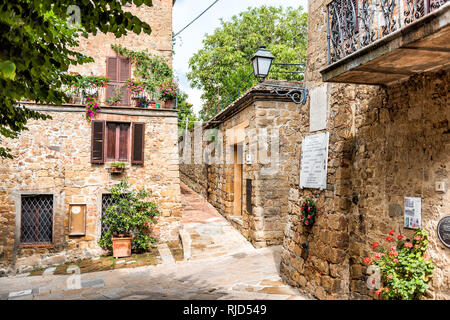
(262, 61)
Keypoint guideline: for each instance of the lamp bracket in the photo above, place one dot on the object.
(297, 94)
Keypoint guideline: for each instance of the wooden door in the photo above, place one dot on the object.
(237, 180)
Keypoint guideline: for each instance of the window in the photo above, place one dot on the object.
(111, 142)
(36, 219)
(118, 70)
(117, 137)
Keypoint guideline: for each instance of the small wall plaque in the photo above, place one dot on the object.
(443, 230)
(413, 212)
(77, 219)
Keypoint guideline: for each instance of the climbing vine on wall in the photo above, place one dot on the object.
(152, 70)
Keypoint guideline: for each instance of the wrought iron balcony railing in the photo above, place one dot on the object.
(355, 24)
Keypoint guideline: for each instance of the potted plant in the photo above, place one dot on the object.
(116, 98)
(168, 93)
(117, 167)
(136, 89)
(128, 219)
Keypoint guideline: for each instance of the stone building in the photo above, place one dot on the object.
(378, 90)
(244, 170)
(61, 166)
(381, 90)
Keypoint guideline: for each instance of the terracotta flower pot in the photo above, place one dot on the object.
(170, 104)
(121, 247)
(116, 170)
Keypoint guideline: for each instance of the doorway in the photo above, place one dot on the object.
(237, 179)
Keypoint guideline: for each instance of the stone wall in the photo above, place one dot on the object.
(385, 144)
(264, 224)
(159, 42)
(53, 157)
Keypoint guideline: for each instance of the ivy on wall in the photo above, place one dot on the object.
(152, 70)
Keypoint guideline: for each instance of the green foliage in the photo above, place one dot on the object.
(118, 164)
(85, 82)
(116, 97)
(308, 212)
(37, 49)
(406, 269)
(224, 60)
(129, 214)
(150, 69)
(185, 112)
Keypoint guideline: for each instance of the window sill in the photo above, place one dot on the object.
(49, 245)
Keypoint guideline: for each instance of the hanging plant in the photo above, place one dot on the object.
(92, 108)
(308, 212)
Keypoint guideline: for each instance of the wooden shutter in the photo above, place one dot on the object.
(97, 141)
(123, 141)
(125, 69)
(138, 143)
(124, 75)
(111, 141)
(112, 71)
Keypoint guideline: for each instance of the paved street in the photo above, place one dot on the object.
(219, 264)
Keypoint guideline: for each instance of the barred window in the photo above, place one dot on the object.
(36, 219)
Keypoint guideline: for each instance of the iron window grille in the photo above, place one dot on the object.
(107, 201)
(36, 219)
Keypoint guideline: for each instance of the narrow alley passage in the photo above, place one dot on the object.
(219, 264)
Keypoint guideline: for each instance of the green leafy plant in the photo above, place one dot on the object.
(118, 164)
(308, 212)
(405, 267)
(116, 98)
(130, 215)
(224, 60)
(150, 69)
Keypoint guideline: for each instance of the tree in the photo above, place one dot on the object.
(224, 61)
(39, 40)
(185, 112)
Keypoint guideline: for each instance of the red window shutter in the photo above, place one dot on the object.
(123, 141)
(138, 143)
(125, 69)
(97, 141)
(124, 75)
(110, 141)
(112, 71)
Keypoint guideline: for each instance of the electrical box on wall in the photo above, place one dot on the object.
(440, 186)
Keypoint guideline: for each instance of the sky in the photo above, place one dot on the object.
(190, 40)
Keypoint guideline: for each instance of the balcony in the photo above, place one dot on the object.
(380, 42)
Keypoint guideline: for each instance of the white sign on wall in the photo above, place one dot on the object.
(413, 212)
(318, 105)
(314, 161)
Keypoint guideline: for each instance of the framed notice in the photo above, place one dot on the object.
(413, 212)
(314, 161)
(77, 219)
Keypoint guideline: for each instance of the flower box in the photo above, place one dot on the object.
(116, 170)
